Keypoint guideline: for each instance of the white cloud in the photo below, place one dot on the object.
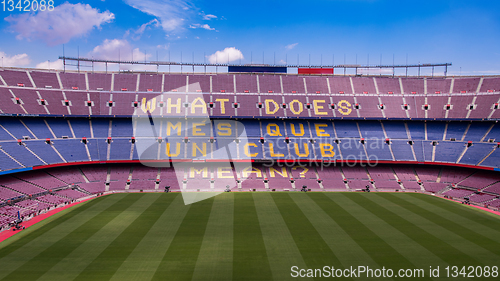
(58, 64)
(291, 46)
(204, 26)
(15, 60)
(170, 13)
(225, 56)
(120, 49)
(136, 34)
(66, 21)
(207, 17)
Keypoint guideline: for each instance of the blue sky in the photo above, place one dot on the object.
(465, 33)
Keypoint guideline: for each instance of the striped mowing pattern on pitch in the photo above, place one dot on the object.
(248, 236)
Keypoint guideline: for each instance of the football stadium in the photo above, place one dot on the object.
(144, 169)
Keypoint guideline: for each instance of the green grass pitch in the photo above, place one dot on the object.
(250, 236)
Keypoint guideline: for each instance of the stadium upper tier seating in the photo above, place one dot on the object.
(246, 95)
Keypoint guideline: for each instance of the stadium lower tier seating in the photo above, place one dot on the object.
(16, 190)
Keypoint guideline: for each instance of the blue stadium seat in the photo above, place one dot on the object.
(38, 127)
(493, 160)
(435, 130)
(346, 129)
(494, 133)
(5, 136)
(81, 127)
(72, 150)
(6, 163)
(15, 127)
(60, 127)
(477, 130)
(44, 151)
(352, 149)
(417, 130)
(252, 128)
(395, 129)
(449, 151)
(476, 153)
(100, 128)
(121, 128)
(456, 130)
(378, 150)
(120, 149)
(371, 129)
(149, 149)
(21, 154)
(423, 150)
(98, 149)
(402, 150)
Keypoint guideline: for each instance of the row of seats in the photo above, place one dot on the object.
(78, 103)
(84, 179)
(29, 128)
(241, 83)
(34, 153)
(32, 145)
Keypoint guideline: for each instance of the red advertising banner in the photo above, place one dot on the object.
(315, 70)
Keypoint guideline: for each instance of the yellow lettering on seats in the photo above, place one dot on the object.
(148, 106)
(202, 150)
(177, 126)
(296, 111)
(201, 105)
(268, 106)
(203, 171)
(251, 170)
(326, 147)
(177, 105)
(221, 171)
(246, 148)
(275, 132)
(301, 126)
(344, 107)
(177, 150)
(224, 129)
(282, 173)
(320, 132)
(303, 173)
(317, 107)
(306, 150)
(273, 154)
(222, 105)
(197, 131)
